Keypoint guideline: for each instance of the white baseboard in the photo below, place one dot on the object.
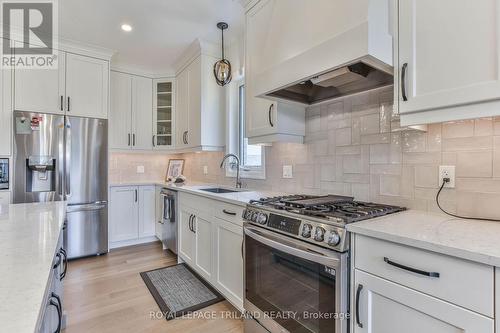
(115, 245)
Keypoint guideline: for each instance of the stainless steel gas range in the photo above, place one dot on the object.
(297, 262)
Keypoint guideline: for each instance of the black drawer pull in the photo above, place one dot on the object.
(403, 81)
(358, 293)
(58, 306)
(65, 261)
(411, 269)
(228, 212)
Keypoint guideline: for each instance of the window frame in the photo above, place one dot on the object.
(236, 112)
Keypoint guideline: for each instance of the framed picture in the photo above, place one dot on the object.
(175, 168)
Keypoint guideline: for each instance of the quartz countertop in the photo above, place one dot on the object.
(473, 240)
(240, 197)
(28, 239)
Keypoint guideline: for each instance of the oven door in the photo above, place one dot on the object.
(293, 286)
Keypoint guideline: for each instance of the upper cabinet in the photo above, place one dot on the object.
(79, 87)
(131, 115)
(200, 111)
(448, 60)
(267, 121)
(163, 113)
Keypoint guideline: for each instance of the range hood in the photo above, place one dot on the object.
(349, 59)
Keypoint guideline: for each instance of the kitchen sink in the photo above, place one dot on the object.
(218, 190)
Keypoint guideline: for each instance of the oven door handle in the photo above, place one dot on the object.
(294, 248)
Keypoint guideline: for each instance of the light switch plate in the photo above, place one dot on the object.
(140, 169)
(205, 170)
(287, 171)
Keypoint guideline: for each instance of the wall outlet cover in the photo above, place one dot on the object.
(287, 171)
(447, 171)
(205, 170)
(140, 169)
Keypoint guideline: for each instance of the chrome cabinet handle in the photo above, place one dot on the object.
(270, 113)
(228, 212)
(411, 269)
(358, 293)
(403, 81)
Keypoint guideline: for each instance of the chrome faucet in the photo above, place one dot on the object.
(238, 180)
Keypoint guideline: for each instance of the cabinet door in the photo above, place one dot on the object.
(40, 90)
(120, 115)
(228, 239)
(163, 114)
(87, 86)
(147, 211)
(123, 213)
(203, 257)
(182, 109)
(186, 234)
(260, 113)
(391, 308)
(159, 213)
(451, 52)
(195, 82)
(142, 113)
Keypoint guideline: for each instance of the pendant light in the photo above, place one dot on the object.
(222, 68)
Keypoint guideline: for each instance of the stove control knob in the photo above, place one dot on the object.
(319, 234)
(307, 230)
(261, 218)
(253, 217)
(333, 238)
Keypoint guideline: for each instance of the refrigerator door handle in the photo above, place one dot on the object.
(87, 207)
(60, 167)
(68, 158)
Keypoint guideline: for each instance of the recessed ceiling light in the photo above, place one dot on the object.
(126, 27)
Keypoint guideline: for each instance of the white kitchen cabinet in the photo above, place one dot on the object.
(87, 86)
(203, 233)
(228, 241)
(388, 307)
(448, 60)
(131, 115)
(120, 115)
(147, 211)
(267, 121)
(132, 211)
(186, 233)
(159, 213)
(124, 213)
(41, 90)
(164, 114)
(200, 115)
(78, 87)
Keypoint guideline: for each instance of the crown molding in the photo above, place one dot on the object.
(194, 50)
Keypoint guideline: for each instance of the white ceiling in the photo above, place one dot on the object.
(162, 29)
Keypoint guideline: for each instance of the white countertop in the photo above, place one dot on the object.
(28, 241)
(241, 197)
(473, 240)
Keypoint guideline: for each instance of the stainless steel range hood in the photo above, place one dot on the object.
(350, 58)
(343, 81)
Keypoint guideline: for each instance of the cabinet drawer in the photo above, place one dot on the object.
(461, 282)
(229, 212)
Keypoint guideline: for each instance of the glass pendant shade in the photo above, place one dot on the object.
(222, 68)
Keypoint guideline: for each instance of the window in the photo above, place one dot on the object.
(252, 157)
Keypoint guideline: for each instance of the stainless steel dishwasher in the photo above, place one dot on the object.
(169, 220)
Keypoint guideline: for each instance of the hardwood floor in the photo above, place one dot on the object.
(106, 294)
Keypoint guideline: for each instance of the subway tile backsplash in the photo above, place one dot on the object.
(351, 149)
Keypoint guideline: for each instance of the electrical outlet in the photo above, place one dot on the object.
(287, 171)
(140, 169)
(447, 171)
(205, 170)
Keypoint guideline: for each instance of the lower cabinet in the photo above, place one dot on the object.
(159, 213)
(212, 246)
(388, 307)
(52, 315)
(131, 215)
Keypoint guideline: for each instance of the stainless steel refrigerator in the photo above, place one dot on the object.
(58, 158)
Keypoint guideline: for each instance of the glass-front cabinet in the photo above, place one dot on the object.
(163, 114)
